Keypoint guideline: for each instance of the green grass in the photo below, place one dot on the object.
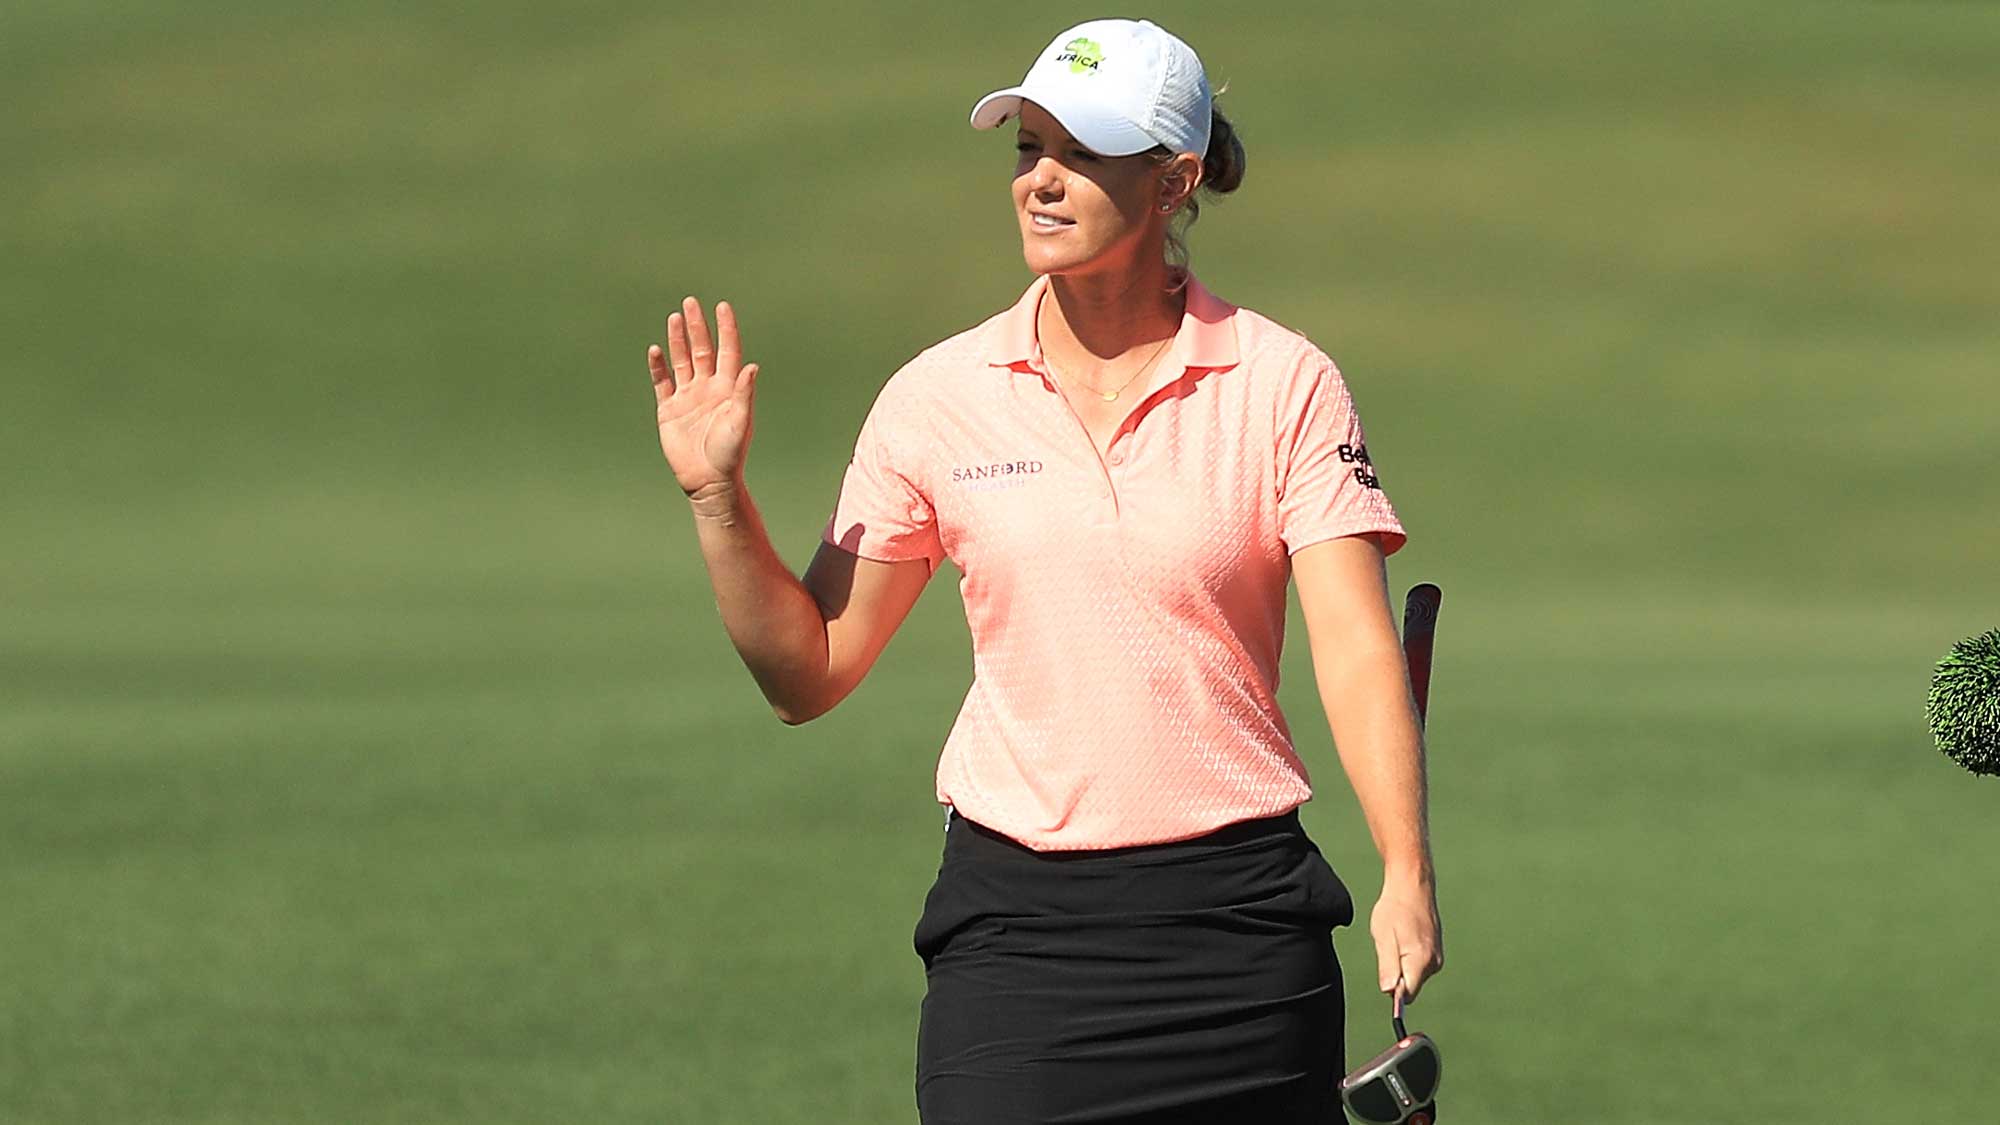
(368, 747)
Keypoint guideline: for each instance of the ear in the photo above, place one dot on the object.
(1178, 180)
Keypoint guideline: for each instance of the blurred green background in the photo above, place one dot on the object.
(369, 749)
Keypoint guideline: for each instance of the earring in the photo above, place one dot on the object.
(1166, 207)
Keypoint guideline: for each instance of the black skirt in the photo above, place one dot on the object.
(1185, 982)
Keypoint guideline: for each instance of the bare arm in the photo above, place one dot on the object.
(807, 643)
(1365, 687)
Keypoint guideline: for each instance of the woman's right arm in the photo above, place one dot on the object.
(807, 643)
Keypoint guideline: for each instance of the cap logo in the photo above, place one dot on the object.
(1082, 55)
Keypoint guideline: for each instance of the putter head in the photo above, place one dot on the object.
(1398, 1086)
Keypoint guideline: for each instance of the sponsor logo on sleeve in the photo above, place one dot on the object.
(1364, 469)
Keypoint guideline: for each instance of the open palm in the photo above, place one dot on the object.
(704, 392)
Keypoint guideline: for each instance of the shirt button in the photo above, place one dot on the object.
(1118, 458)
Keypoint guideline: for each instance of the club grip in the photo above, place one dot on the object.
(1420, 615)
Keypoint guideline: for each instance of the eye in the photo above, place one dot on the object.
(1084, 155)
(1023, 146)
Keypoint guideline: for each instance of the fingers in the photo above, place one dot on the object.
(1388, 958)
(1419, 959)
(693, 354)
(1407, 953)
(1417, 968)
(700, 347)
(728, 346)
(663, 376)
(677, 350)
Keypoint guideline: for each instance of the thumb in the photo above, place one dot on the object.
(746, 384)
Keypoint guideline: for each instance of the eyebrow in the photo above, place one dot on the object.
(1024, 131)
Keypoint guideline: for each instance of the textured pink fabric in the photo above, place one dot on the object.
(1127, 611)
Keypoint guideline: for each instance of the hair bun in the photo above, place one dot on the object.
(1222, 168)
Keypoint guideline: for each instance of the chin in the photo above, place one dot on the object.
(1041, 261)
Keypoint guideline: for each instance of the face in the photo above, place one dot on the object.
(1082, 213)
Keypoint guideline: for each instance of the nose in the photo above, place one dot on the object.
(1045, 179)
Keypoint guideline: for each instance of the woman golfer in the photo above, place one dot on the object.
(1129, 924)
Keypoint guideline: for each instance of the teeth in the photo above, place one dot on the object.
(1048, 221)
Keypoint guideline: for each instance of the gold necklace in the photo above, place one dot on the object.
(1112, 395)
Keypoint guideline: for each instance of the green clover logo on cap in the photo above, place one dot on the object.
(1082, 54)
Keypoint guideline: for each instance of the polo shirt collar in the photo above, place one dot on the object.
(1206, 339)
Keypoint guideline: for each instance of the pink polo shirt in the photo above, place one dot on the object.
(1127, 610)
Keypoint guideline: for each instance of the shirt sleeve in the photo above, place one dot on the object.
(883, 512)
(1328, 484)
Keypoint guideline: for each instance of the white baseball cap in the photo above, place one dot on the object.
(1118, 86)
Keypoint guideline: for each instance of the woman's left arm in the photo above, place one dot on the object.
(1365, 687)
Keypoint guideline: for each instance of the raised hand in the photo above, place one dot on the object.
(704, 396)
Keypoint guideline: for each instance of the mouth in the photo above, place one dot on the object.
(1042, 221)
